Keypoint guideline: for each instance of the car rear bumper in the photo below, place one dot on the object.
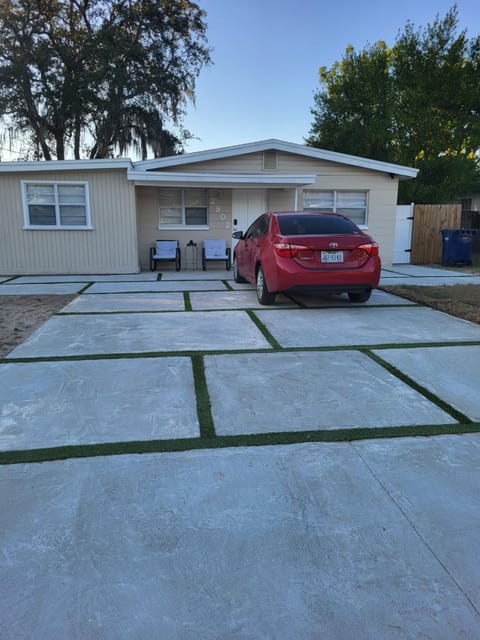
(329, 288)
(288, 276)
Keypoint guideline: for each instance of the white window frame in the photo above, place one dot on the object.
(335, 192)
(57, 203)
(183, 226)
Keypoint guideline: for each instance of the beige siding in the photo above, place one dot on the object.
(253, 163)
(382, 201)
(248, 163)
(281, 200)
(109, 248)
(381, 188)
(219, 222)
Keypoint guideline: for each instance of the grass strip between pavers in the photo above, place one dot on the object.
(254, 440)
(214, 352)
(87, 286)
(264, 331)
(186, 301)
(186, 295)
(228, 285)
(204, 413)
(457, 415)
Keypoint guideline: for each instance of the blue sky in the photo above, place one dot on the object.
(266, 56)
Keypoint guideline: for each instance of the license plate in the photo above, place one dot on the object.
(331, 256)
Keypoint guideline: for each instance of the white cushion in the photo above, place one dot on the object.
(165, 249)
(215, 249)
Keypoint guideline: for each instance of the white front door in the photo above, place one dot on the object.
(247, 205)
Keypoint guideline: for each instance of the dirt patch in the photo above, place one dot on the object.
(462, 301)
(21, 315)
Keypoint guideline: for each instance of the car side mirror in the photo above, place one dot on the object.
(238, 235)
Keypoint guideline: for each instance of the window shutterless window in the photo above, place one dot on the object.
(352, 204)
(56, 205)
(183, 207)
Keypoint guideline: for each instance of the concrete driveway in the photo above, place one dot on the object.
(180, 462)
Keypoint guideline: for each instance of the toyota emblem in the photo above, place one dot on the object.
(333, 245)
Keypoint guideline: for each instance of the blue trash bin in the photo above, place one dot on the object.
(457, 246)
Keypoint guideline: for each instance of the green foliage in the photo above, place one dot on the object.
(353, 112)
(98, 77)
(415, 104)
(442, 179)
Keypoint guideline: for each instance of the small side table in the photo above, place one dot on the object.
(191, 256)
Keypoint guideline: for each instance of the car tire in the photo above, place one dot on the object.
(263, 294)
(360, 296)
(236, 273)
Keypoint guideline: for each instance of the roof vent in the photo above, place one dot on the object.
(270, 160)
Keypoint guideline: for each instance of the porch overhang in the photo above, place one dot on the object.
(219, 180)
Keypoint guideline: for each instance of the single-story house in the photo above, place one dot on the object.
(102, 216)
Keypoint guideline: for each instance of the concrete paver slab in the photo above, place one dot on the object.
(452, 373)
(51, 404)
(242, 286)
(352, 326)
(436, 483)
(120, 277)
(59, 288)
(430, 282)
(197, 275)
(141, 333)
(287, 542)
(377, 298)
(244, 296)
(274, 392)
(415, 270)
(127, 302)
(174, 285)
(233, 300)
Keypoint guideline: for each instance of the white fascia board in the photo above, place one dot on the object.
(219, 179)
(278, 145)
(209, 154)
(361, 163)
(64, 165)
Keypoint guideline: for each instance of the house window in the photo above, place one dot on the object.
(352, 204)
(183, 207)
(56, 205)
(270, 160)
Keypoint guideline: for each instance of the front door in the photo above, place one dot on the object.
(247, 204)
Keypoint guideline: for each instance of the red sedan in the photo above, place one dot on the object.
(306, 252)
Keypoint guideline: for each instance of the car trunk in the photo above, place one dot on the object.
(342, 251)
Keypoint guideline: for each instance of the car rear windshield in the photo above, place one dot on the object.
(312, 224)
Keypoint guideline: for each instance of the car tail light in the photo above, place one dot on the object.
(298, 251)
(363, 252)
(371, 249)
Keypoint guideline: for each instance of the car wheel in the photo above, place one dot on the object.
(360, 296)
(263, 294)
(236, 273)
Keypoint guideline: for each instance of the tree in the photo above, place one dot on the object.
(94, 77)
(417, 103)
(353, 112)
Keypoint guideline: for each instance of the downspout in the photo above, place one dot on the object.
(296, 198)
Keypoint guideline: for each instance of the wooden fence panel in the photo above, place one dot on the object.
(428, 221)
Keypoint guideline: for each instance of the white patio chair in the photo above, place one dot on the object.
(216, 250)
(165, 251)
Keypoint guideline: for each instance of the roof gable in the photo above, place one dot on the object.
(276, 145)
